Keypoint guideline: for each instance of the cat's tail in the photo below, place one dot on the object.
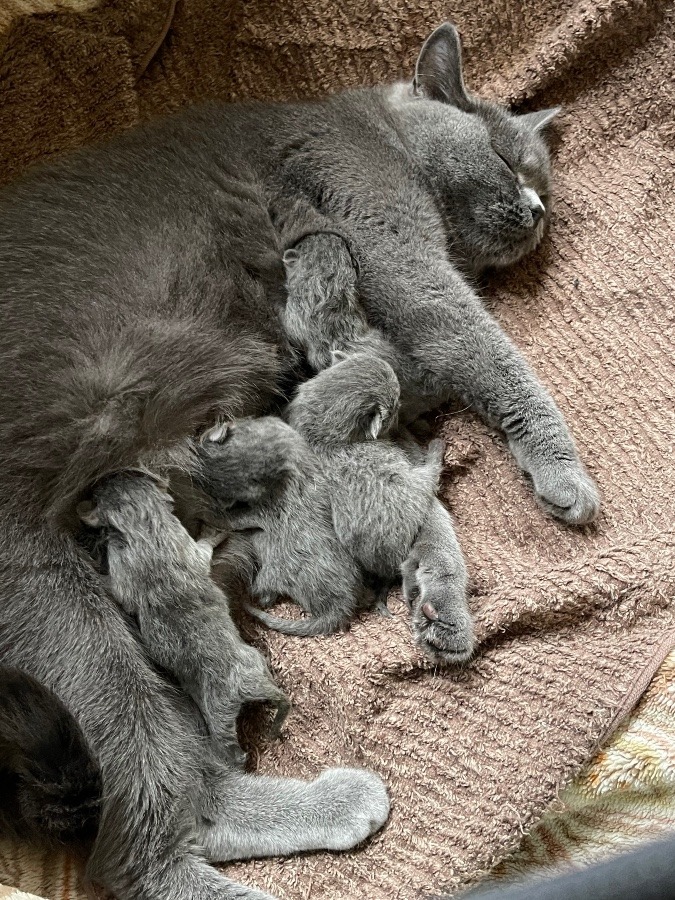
(332, 621)
(51, 783)
(127, 397)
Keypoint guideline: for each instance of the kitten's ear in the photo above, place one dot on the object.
(376, 423)
(337, 356)
(219, 434)
(438, 72)
(290, 258)
(89, 513)
(537, 121)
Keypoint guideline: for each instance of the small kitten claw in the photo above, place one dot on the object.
(382, 609)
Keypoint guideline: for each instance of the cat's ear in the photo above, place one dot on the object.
(538, 121)
(438, 72)
(89, 513)
(337, 356)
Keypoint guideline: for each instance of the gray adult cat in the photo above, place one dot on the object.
(264, 479)
(141, 298)
(161, 577)
(141, 289)
(384, 504)
(427, 182)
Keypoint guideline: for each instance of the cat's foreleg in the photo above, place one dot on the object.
(463, 350)
(247, 816)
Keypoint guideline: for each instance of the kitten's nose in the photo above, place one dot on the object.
(537, 208)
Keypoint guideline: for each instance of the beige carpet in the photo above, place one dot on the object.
(572, 623)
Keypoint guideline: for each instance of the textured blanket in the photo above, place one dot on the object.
(572, 624)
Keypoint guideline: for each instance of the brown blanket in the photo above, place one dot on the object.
(572, 623)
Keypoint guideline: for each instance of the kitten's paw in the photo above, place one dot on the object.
(568, 493)
(355, 803)
(445, 635)
(441, 621)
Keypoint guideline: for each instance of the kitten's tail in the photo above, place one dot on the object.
(51, 783)
(327, 624)
(141, 390)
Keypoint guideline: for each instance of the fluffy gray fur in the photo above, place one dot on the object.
(142, 286)
(162, 578)
(323, 311)
(142, 297)
(385, 510)
(429, 186)
(288, 516)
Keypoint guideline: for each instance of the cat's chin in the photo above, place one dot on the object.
(509, 256)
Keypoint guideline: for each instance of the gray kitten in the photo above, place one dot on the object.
(323, 312)
(162, 578)
(264, 479)
(385, 510)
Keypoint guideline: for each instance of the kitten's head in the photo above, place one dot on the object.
(489, 170)
(247, 461)
(356, 399)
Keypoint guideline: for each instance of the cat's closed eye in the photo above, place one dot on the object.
(508, 165)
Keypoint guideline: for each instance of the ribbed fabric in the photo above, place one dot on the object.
(572, 622)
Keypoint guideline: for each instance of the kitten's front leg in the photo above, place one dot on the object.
(434, 586)
(460, 348)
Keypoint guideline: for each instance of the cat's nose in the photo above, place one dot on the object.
(537, 208)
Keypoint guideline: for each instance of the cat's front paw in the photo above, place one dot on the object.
(567, 492)
(356, 804)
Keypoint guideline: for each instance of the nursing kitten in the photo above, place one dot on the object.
(385, 510)
(50, 783)
(162, 578)
(323, 311)
(265, 480)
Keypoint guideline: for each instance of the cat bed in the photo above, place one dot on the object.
(572, 624)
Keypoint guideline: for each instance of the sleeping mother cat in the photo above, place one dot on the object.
(142, 296)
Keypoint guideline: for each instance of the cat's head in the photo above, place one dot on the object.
(488, 169)
(356, 399)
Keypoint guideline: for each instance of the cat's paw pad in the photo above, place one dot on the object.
(357, 803)
(568, 493)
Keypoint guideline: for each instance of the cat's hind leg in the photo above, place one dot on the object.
(246, 816)
(58, 624)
